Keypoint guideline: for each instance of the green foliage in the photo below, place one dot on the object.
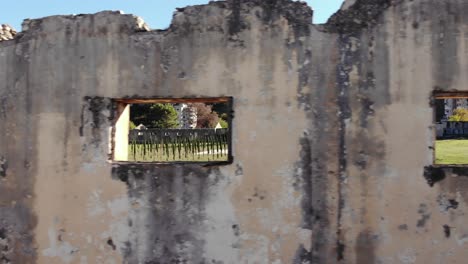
(206, 118)
(132, 125)
(154, 115)
(223, 123)
(223, 116)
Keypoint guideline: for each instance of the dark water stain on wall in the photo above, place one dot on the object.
(433, 174)
(446, 230)
(425, 215)
(3, 166)
(344, 112)
(306, 181)
(18, 163)
(97, 113)
(403, 227)
(16, 238)
(445, 204)
(365, 248)
(444, 43)
(168, 207)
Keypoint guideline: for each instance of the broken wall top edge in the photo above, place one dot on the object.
(354, 15)
(7, 32)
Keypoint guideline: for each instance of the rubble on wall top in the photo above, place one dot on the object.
(7, 32)
(114, 19)
(353, 16)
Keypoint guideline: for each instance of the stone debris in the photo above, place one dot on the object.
(7, 32)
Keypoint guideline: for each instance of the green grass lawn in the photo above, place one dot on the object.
(451, 151)
(151, 155)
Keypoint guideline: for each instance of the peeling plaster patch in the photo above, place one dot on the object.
(290, 196)
(408, 256)
(461, 240)
(288, 199)
(258, 250)
(60, 249)
(95, 205)
(119, 232)
(445, 204)
(88, 167)
(220, 244)
(304, 236)
(83, 260)
(118, 206)
(239, 170)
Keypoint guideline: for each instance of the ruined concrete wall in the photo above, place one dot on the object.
(387, 74)
(327, 167)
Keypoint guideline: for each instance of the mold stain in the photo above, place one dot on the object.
(365, 248)
(110, 243)
(446, 230)
(176, 196)
(101, 111)
(425, 216)
(433, 175)
(446, 204)
(3, 167)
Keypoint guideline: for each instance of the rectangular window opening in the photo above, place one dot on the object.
(170, 130)
(451, 123)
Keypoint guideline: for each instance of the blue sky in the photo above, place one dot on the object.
(156, 13)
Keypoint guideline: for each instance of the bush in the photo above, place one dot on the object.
(223, 123)
(460, 114)
(154, 115)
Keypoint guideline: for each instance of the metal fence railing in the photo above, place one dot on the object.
(166, 145)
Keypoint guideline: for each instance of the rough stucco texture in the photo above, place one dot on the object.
(333, 136)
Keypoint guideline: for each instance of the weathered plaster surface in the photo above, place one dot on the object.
(332, 136)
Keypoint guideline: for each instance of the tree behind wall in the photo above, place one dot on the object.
(154, 115)
(206, 118)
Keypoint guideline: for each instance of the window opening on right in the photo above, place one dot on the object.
(451, 117)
